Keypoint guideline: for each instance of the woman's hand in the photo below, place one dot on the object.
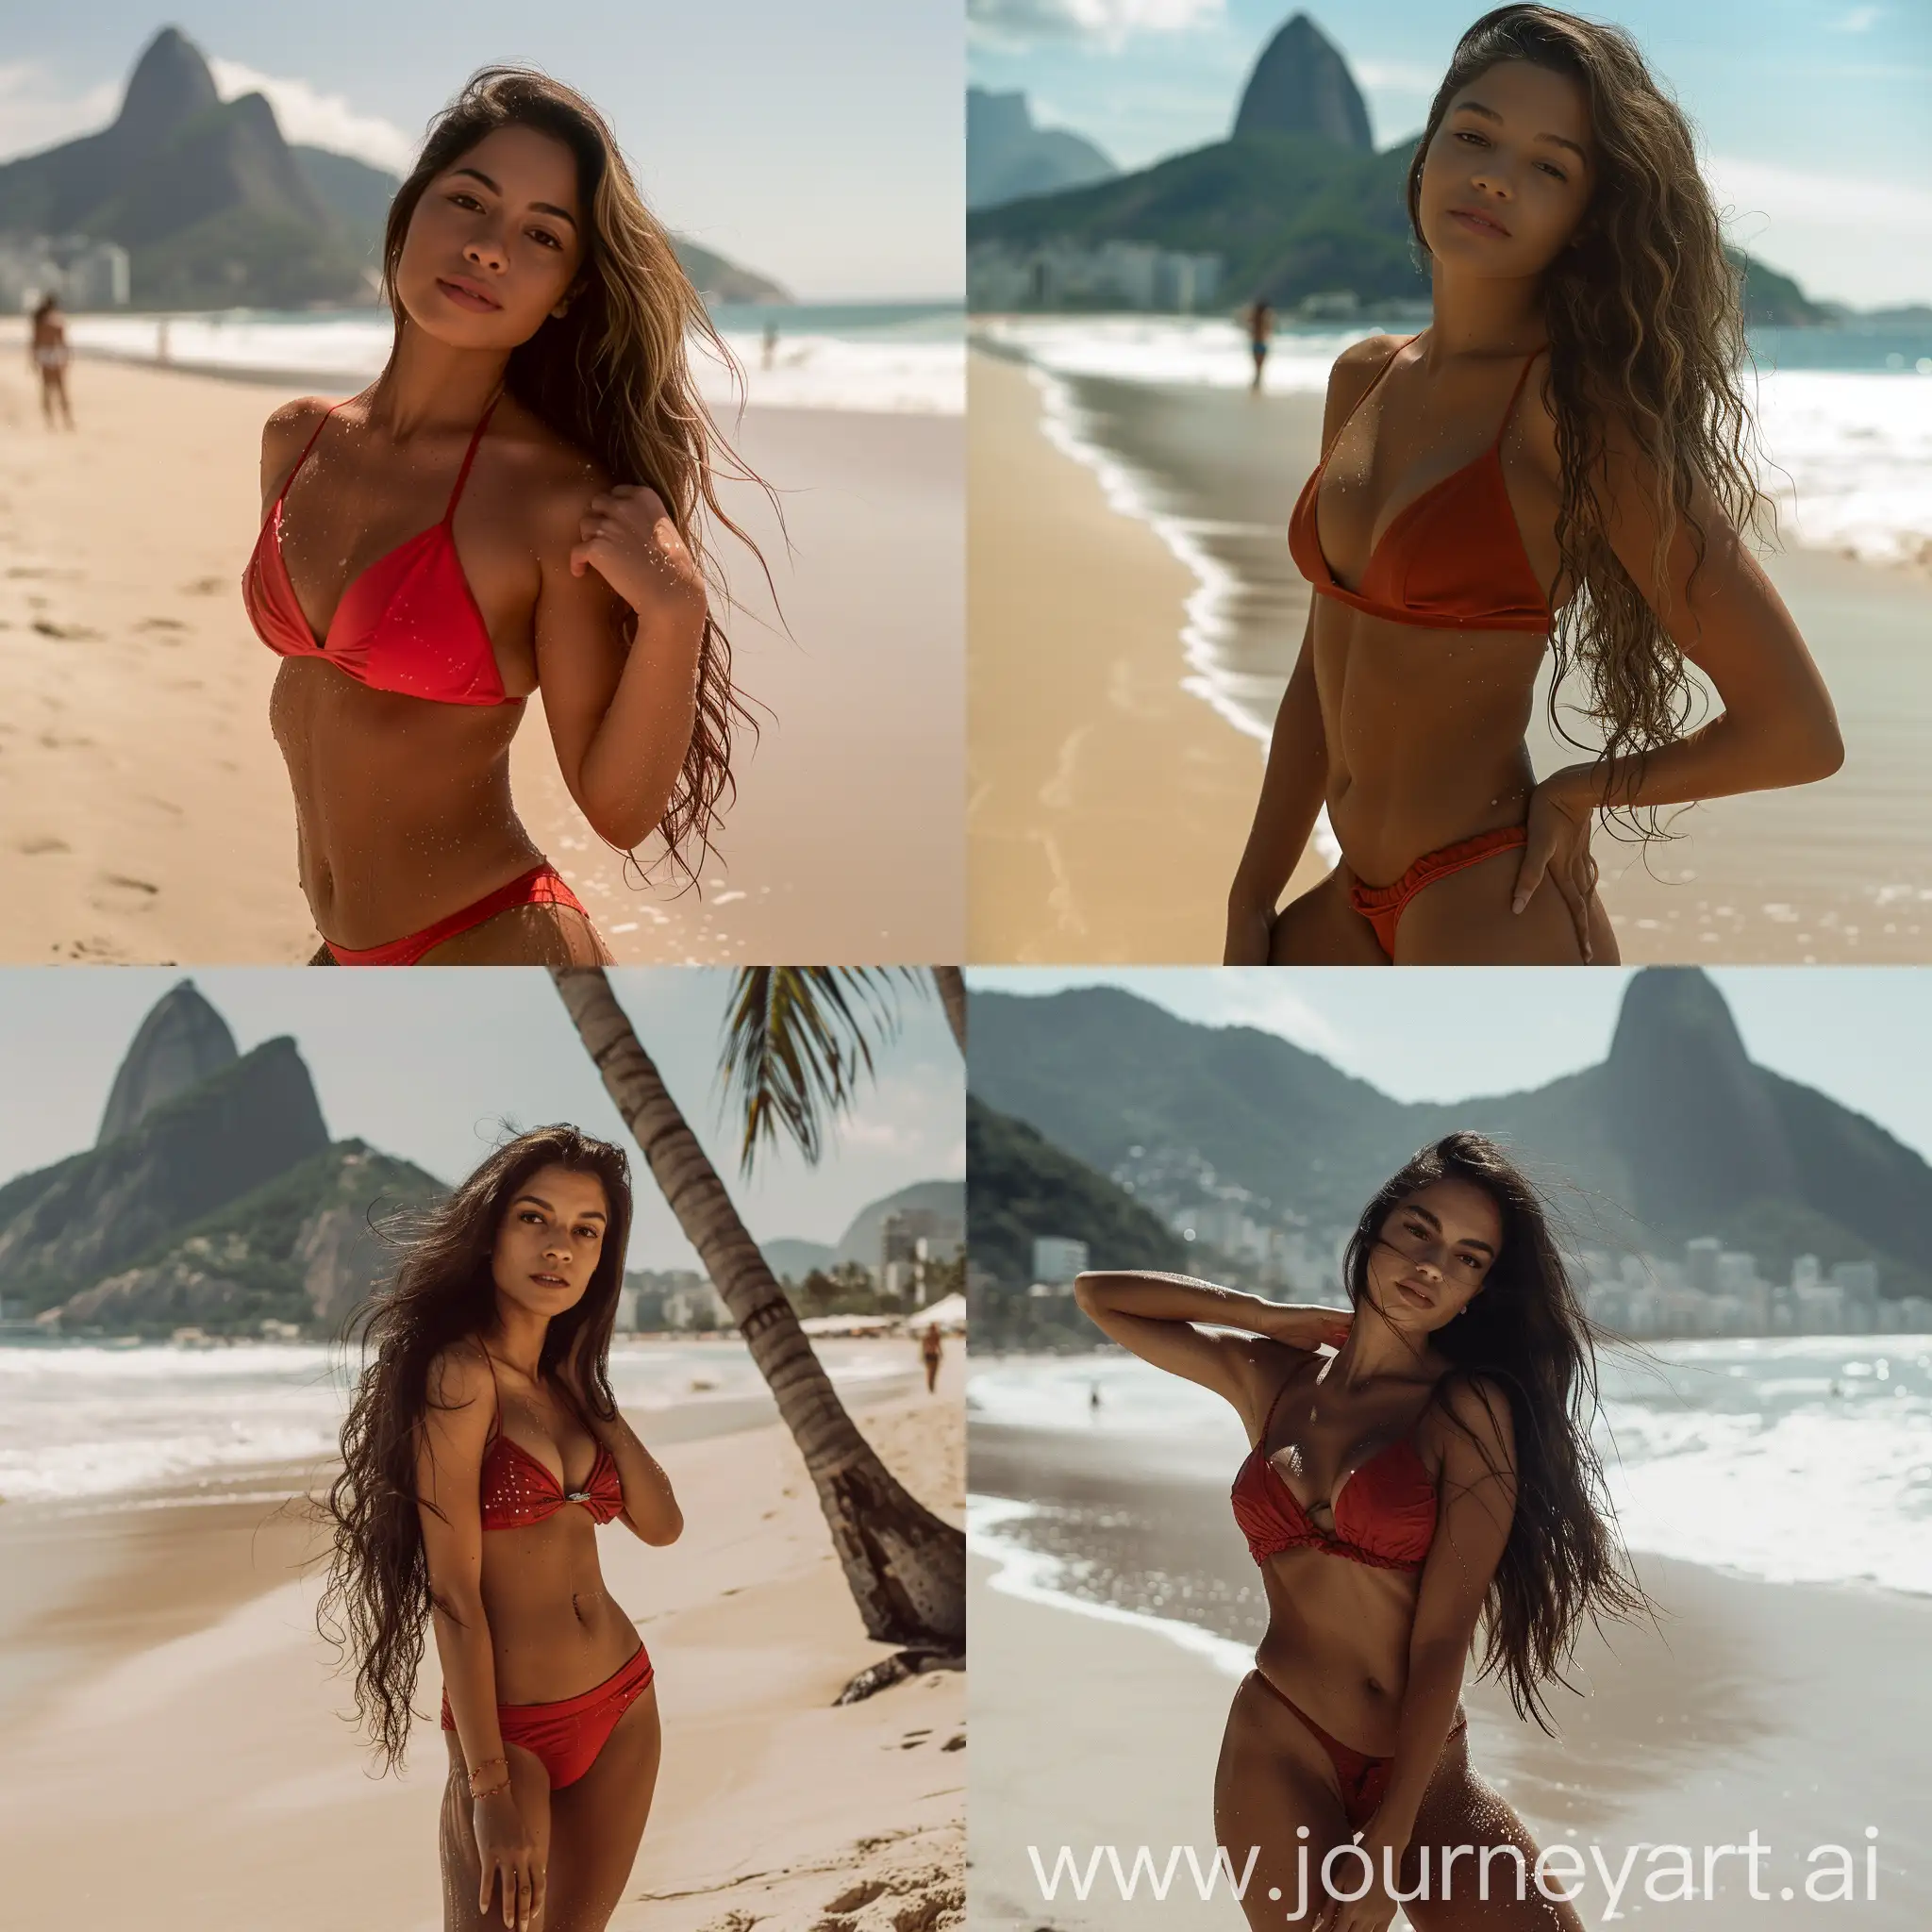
(1558, 848)
(506, 1853)
(1374, 1910)
(629, 538)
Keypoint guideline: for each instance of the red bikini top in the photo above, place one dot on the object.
(518, 1490)
(410, 623)
(1452, 560)
(1385, 1513)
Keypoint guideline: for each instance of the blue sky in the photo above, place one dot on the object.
(820, 144)
(429, 1064)
(1813, 112)
(1861, 1034)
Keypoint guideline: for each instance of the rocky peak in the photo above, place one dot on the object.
(1302, 85)
(181, 1042)
(171, 84)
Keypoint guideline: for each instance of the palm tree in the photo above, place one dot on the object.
(905, 1567)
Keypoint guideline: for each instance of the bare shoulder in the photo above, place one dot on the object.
(553, 479)
(1478, 1414)
(1352, 373)
(460, 1380)
(1269, 1366)
(287, 430)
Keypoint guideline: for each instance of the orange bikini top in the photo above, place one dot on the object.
(408, 623)
(1453, 559)
(1385, 1513)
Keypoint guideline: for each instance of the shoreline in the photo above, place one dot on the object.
(1107, 802)
(1831, 873)
(205, 1725)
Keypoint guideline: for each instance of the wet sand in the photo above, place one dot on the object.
(1107, 804)
(145, 813)
(177, 1706)
(1832, 873)
(1797, 1711)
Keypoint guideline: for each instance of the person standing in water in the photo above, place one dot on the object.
(1260, 319)
(48, 351)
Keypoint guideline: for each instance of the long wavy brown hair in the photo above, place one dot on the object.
(1646, 326)
(612, 377)
(376, 1600)
(1527, 1334)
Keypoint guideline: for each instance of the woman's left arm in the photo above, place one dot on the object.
(1477, 1491)
(1777, 726)
(619, 616)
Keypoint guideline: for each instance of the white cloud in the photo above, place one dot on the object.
(1022, 22)
(313, 119)
(1866, 242)
(33, 116)
(1859, 20)
(1398, 76)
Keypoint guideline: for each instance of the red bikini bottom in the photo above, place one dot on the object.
(566, 1737)
(542, 885)
(1382, 905)
(1364, 1780)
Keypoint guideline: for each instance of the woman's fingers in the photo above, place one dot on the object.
(1537, 849)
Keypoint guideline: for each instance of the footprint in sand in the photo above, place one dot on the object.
(161, 623)
(48, 628)
(205, 587)
(34, 847)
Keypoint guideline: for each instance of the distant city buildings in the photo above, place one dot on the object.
(910, 1238)
(1002, 277)
(83, 273)
(1057, 1259)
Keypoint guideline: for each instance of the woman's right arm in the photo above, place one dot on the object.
(1154, 1316)
(449, 1487)
(1293, 789)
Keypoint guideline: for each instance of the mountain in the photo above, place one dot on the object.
(65, 1227)
(718, 280)
(862, 1240)
(205, 194)
(182, 1043)
(1676, 1133)
(792, 1260)
(306, 1247)
(1302, 85)
(1020, 1188)
(1775, 300)
(1007, 157)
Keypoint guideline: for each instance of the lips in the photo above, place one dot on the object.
(550, 1281)
(1479, 222)
(1416, 1295)
(465, 296)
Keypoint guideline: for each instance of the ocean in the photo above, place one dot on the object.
(1157, 407)
(868, 357)
(119, 1424)
(1788, 1461)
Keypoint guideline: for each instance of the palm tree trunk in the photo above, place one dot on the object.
(952, 988)
(905, 1566)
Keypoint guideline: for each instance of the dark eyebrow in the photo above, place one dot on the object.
(1491, 114)
(1417, 1208)
(542, 208)
(537, 1200)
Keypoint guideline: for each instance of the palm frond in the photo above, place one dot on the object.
(798, 1044)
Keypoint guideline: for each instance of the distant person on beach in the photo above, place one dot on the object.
(1432, 1477)
(1260, 321)
(1558, 465)
(48, 352)
(770, 344)
(515, 503)
(930, 1349)
(483, 1451)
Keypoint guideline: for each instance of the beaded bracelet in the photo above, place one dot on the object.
(496, 1790)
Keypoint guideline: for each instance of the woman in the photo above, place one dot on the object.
(482, 1450)
(438, 547)
(48, 352)
(1558, 460)
(1437, 1469)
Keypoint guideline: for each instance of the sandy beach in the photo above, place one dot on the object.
(1107, 806)
(1797, 1711)
(146, 810)
(173, 1677)
(1072, 789)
